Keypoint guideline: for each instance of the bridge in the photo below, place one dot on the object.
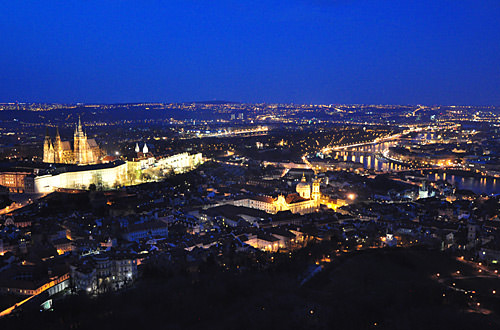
(329, 148)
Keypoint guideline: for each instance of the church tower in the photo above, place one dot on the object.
(89, 157)
(76, 144)
(58, 149)
(48, 150)
(316, 193)
(51, 157)
(80, 145)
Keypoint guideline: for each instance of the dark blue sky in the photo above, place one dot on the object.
(316, 51)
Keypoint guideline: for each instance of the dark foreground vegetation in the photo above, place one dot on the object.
(373, 289)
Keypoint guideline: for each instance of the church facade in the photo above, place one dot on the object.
(85, 151)
(306, 200)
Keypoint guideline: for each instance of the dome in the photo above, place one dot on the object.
(303, 188)
(303, 185)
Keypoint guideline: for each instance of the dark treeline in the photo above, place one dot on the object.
(388, 289)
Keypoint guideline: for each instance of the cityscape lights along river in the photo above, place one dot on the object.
(176, 196)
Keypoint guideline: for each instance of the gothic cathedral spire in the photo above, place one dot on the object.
(60, 152)
(47, 146)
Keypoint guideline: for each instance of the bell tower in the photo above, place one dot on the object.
(316, 193)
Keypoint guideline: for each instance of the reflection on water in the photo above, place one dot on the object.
(481, 185)
(366, 155)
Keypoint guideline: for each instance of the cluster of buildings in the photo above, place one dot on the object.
(59, 245)
(305, 200)
(84, 236)
(86, 165)
(469, 150)
(100, 241)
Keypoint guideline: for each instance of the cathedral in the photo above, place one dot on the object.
(85, 151)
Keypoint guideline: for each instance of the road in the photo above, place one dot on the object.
(20, 201)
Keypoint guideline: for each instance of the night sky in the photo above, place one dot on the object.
(316, 51)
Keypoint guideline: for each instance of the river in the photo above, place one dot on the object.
(366, 155)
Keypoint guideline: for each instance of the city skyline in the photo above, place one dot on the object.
(247, 202)
(299, 164)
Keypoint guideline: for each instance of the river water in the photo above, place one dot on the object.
(487, 185)
(366, 155)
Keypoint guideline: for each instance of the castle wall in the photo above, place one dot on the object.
(106, 178)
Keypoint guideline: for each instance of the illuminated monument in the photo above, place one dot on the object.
(303, 188)
(306, 200)
(85, 151)
(83, 165)
(145, 167)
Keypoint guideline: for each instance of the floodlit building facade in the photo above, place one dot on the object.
(111, 175)
(85, 150)
(306, 200)
(105, 176)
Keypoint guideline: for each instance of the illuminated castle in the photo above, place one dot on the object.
(85, 151)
